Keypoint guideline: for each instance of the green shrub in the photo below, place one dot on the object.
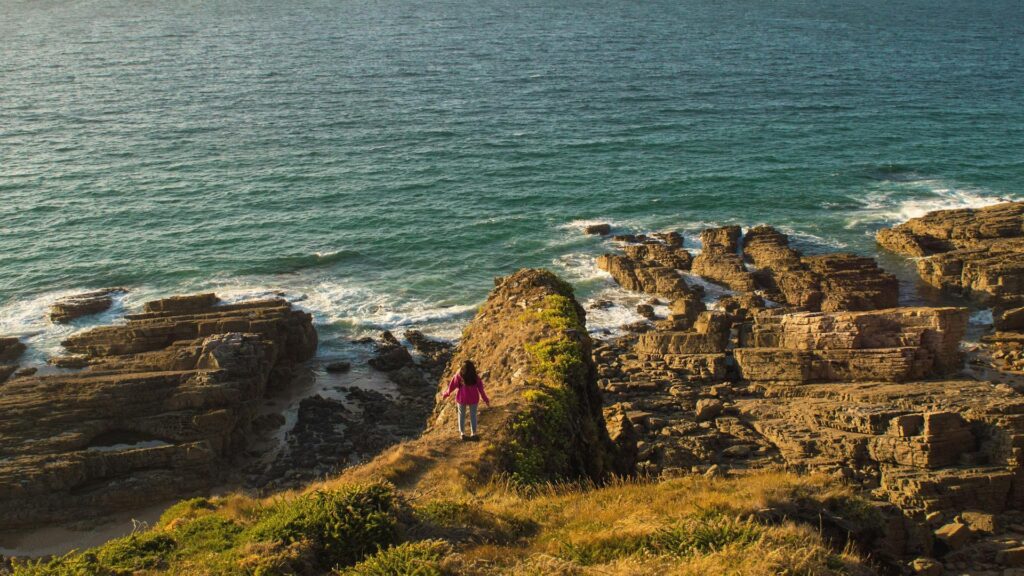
(71, 564)
(120, 557)
(186, 509)
(207, 534)
(409, 559)
(136, 552)
(342, 525)
(540, 439)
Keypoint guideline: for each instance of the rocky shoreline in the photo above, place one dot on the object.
(808, 363)
(802, 362)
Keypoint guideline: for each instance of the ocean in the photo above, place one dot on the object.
(379, 162)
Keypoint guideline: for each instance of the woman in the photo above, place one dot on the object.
(469, 389)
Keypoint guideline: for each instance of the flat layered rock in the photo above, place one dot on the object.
(166, 401)
(938, 446)
(828, 282)
(167, 321)
(721, 266)
(643, 276)
(73, 307)
(973, 252)
(891, 345)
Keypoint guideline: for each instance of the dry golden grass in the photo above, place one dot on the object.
(616, 529)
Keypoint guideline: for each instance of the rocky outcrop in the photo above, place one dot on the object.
(646, 276)
(977, 253)
(651, 264)
(167, 399)
(72, 307)
(926, 446)
(530, 343)
(829, 282)
(165, 322)
(720, 262)
(886, 345)
(11, 349)
(545, 422)
(391, 355)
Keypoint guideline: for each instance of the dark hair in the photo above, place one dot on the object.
(468, 373)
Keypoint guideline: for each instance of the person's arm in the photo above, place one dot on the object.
(483, 393)
(451, 387)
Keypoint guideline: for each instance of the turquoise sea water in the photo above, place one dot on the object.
(379, 162)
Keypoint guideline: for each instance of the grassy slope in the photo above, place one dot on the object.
(436, 505)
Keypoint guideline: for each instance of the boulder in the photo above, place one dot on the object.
(708, 409)
(954, 535)
(600, 229)
(11, 349)
(72, 307)
(726, 238)
(725, 267)
(391, 355)
(645, 310)
(338, 367)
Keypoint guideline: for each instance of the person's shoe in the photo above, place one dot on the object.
(474, 438)
(464, 437)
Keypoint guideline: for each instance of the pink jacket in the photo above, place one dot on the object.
(467, 394)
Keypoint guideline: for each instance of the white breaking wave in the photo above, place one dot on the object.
(813, 239)
(891, 207)
(579, 268)
(981, 318)
(363, 308)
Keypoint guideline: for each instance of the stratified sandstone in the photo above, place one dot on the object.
(165, 322)
(645, 276)
(167, 399)
(973, 252)
(719, 260)
(936, 446)
(72, 307)
(884, 345)
(829, 282)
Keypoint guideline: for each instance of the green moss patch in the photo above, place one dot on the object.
(307, 534)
